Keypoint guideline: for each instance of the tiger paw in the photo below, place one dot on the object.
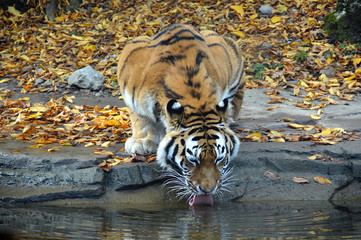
(140, 145)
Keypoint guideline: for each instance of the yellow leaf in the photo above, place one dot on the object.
(4, 80)
(350, 77)
(288, 119)
(26, 128)
(39, 109)
(321, 180)
(313, 157)
(326, 132)
(280, 140)
(89, 144)
(238, 9)
(296, 126)
(319, 63)
(276, 19)
(356, 61)
(24, 99)
(275, 134)
(107, 153)
(25, 58)
(90, 47)
(35, 115)
(13, 11)
(269, 79)
(11, 65)
(315, 117)
(322, 219)
(329, 60)
(238, 33)
(255, 136)
(253, 16)
(358, 71)
(337, 130)
(308, 127)
(325, 142)
(106, 144)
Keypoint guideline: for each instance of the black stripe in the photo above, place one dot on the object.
(214, 136)
(233, 45)
(175, 151)
(133, 96)
(200, 56)
(194, 130)
(173, 165)
(196, 94)
(170, 59)
(168, 29)
(176, 38)
(169, 145)
(191, 72)
(197, 138)
(138, 41)
(213, 34)
(156, 111)
(169, 93)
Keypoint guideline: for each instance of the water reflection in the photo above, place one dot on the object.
(296, 220)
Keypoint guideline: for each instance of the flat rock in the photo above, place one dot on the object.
(35, 175)
(87, 78)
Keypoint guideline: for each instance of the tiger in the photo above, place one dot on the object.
(182, 88)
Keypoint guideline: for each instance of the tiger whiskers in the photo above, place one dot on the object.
(227, 181)
(176, 182)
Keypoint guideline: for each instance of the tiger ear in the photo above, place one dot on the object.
(174, 108)
(222, 106)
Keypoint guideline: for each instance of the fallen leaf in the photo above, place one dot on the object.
(13, 11)
(321, 180)
(238, 33)
(315, 117)
(271, 108)
(238, 9)
(271, 175)
(288, 119)
(276, 19)
(300, 180)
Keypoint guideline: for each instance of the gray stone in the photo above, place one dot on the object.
(87, 78)
(266, 46)
(47, 83)
(267, 10)
(329, 72)
(39, 81)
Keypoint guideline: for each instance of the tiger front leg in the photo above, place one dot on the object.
(145, 138)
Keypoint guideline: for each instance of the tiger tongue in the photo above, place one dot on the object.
(204, 199)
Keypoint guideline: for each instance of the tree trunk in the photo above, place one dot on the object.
(345, 23)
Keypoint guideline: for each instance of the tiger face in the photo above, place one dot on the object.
(197, 150)
(182, 87)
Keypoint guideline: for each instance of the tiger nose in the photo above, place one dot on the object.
(207, 190)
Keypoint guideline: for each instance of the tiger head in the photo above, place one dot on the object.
(197, 149)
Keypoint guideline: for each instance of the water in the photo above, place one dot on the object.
(283, 220)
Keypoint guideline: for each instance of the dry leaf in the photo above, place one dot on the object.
(321, 180)
(271, 175)
(300, 180)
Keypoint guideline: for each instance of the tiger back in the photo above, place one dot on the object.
(182, 87)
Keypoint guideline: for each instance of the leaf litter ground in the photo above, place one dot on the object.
(284, 50)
